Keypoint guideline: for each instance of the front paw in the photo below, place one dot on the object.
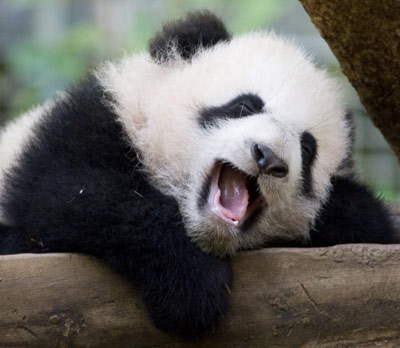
(192, 303)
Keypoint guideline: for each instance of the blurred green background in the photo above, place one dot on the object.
(47, 45)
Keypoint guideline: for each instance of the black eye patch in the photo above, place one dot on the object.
(308, 153)
(241, 106)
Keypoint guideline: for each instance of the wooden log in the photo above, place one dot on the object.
(364, 35)
(343, 296)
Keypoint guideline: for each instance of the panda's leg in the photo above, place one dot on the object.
(351, 215)
(184, 289)
(134, 228)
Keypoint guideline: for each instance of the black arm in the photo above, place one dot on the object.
(139, 232)
(79, 187)
(351, 215)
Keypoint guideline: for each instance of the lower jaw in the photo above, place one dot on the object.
(220, 240)
(243, 182)
(234, 227)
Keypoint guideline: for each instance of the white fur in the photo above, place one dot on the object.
(159, 104)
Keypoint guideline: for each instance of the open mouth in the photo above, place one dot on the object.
(234, 196)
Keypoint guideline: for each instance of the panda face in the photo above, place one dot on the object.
(246, 135)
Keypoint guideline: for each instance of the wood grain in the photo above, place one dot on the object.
(343, 296)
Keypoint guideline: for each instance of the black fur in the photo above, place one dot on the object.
(351, 215)
(196, 30)
(79, 188)
(241, 106)
(308, 153)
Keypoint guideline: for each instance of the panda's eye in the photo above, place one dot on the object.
(308, 148)
(246, 105)
(241, 106)
(247, 108)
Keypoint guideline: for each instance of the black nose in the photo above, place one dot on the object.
(268, 162)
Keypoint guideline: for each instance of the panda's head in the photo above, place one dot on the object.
(246, 132)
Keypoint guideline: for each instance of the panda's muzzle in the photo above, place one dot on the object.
(267, 162)
(233, 195)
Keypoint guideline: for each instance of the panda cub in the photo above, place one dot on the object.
(165, 163)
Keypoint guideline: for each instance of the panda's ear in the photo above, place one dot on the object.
(185, 36)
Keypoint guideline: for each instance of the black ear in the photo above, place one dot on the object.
(187, 35)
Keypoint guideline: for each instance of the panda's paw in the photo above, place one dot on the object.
(193, 305)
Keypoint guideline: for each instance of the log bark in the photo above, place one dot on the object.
(343, 296)
(365, 37)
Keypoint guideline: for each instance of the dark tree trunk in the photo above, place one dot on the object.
(365, 37)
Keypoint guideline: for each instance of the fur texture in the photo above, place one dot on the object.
(164, 102)
(155, 164)
(186, 36)
(87, 192)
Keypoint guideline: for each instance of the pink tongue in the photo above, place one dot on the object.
(234, 195)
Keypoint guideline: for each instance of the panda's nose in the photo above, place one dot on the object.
(268, 162)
